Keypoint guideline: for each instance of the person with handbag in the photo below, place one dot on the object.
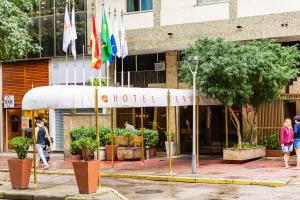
(286, 140)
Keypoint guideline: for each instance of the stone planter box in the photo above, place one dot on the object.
(125, 153)
(244, 154)
(274, 153)
(102, 153)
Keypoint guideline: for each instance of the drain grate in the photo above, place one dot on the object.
(149, 191)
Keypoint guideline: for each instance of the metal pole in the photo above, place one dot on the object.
(115, 72)
(83, 68)
(142, 130)
(194, 125)
(107, 75)
(97, 128)
(112, 141)
(100, 77)
(226, 127)
(122, 73)
(75, 73)
(67, 71)
(6, 130)
(128, 79)
(169, 131)
(176, 133)
(34, 150)
(197, 130)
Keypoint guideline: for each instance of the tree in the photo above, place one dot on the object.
(240, 75)
(16, 40)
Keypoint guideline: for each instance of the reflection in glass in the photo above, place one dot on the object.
(47, 36)
(59, 25)
(60, 6)
(47, 7)
(34, 32)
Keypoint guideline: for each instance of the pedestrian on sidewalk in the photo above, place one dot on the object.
(297, 140)
(41, 132)
(286, 140)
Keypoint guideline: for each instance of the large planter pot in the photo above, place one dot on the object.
(102, 153)
(125, 153)
(274, 153)
(19, 171)
(75, 157)
(173, 148)
(86, 173)
(109, 151)
(243, 154)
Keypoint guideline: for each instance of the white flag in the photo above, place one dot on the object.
(73, 34)
(117, 38)
(124, 47)
(67, 27)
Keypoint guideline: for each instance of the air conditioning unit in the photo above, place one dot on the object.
(161, 66)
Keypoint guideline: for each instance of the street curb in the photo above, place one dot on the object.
(178, 179)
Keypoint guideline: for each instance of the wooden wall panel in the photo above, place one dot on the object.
(18, 78)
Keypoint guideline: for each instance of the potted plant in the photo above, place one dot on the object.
(110, 143)
(272, 143)
(128, 152)
(173, 146)
(151, 138)
(75, 150)
(244, 152)
(20, 168)
(87, 170)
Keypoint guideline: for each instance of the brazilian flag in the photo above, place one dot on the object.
(106, 49)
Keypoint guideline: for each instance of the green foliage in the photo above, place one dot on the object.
(87, 146)
(244, 145)
(21, 145)
(151, 137)
(97, 82)
(110, 137)
(171, 134)
(128, 137)
(272, 142)
(15, 23)
(241, 74)
(75, 148)
(78, 133)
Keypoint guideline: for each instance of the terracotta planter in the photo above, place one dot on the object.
(152, 152)
(274, 153)
(86, 173)
(19, 171)
(108, 152)
(125, 153)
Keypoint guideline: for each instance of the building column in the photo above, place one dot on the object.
(156, 13)
(232, 9)
(172, 82)
(1, 112)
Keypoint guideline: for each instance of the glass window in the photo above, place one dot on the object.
(47, 7)
(47, 36)
(129, 64)
(210, 1)
(80, 29)
(146, 62)
(59, 25)
(139, 5)
(60, 6)
(34, 32)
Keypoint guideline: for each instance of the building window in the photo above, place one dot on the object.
(201, 2)
(139, 5)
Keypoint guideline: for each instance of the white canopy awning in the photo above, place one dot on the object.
(69, 97)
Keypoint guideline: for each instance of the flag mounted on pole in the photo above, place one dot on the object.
(94, 43)
(124, 47)
(112, 41)
(107, 52)
(73, 34)
(67, 30)
(117, 37)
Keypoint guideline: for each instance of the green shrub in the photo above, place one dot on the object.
(78, 133)
(128, 137)
(75, 148)
(172, 135)
(87, 146)
(21, 145)
(272, 142)
(110, 138)
(244, 145)
(151, 137)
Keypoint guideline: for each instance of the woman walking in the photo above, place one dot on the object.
(41, 133)
(286, 140)
(297, 140)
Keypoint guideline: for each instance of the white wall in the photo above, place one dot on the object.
(264, 7)
(182, 12)
(59, 70)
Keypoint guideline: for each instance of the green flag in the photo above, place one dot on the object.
(105, 38)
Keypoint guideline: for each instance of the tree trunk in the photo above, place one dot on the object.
(237, 125)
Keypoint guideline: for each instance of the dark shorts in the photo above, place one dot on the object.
(296, 143)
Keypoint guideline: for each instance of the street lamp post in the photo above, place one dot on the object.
(194, 73)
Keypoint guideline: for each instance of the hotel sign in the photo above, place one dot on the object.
(9, 102)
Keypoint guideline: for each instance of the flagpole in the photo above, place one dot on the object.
(67, 68)
(83, 69)
(122, 70)
(115, 69)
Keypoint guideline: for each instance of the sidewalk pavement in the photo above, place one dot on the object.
(212, 169)
(56, 187)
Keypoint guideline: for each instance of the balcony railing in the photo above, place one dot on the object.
(142, 78)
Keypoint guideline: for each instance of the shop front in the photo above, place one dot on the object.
(18, 78)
